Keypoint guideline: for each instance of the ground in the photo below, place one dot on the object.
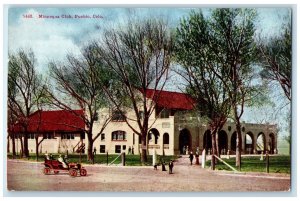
(28, 176)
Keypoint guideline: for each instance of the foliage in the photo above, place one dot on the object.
(278, 164)
(131, 160)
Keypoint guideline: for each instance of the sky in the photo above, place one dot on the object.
(55, 35)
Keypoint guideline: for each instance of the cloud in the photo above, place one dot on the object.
(48, 39)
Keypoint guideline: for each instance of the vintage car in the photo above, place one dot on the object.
(56, 166)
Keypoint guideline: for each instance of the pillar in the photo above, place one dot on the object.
(254, 143)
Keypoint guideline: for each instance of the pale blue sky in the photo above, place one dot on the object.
(52, 39)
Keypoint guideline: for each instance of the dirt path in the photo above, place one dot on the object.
(25, 176)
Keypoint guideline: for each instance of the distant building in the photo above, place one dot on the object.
(173, 127)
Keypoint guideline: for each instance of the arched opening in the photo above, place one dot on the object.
(153, 136)
(271, 145)
(261, 143)
(166, 138)
(207, 144)
(233, 142)
(166, 141)
(249, 146)
(185, 140)
(223, 142)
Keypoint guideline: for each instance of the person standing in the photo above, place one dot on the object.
(129, 150)
(191, 157)
(183, 150)
(171, 165)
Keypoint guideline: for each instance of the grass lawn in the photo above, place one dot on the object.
(130, 160)
(278, 164)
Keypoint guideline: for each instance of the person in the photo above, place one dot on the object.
(187, 150)
(163, 167)
(197, 157)
(129, 150)
(191, 157)
(60, 159)
(183, 150)
(47, 157)
(171, 165)
(95, 150)
(132, 150)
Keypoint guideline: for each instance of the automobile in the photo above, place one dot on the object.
(55, 166)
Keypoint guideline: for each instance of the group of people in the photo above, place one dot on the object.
(131, 150)
(61, 159)
(171, 165)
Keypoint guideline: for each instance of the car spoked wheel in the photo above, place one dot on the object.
(73, 172)
(46, 170)
(83, 172)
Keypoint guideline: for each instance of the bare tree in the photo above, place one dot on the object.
(24, 90)
(276, 58)
(79, 84)
(139, 53)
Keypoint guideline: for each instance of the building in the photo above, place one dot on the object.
(62, 132)
(173, 127)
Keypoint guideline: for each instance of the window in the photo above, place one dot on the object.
(118, 149)
(102, 137)
(48, 136)
(118, 135)
(118, 116)
(124, 147)
(165, 113)
(162, 112)
(102, 148)
(133, 138)
(67, 136)
(166, 138)
(31, 136)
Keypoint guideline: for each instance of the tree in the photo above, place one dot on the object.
(199, 67)
(233, 32)
(139, 53)
(79, 84)
(24, 91)
(276, 59)
(224, 48)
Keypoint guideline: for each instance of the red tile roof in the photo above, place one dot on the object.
(49, 121)
(171, 100)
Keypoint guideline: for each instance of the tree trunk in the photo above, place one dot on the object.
(238, 144)
(22, 147)
(90, 156)
(37, 148)
(214, 150)
(25, 150)
(144, 148)
(217, 144)
(8, 147)
(13, 146)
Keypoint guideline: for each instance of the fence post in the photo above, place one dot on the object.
(267, 161)
(107, 158)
